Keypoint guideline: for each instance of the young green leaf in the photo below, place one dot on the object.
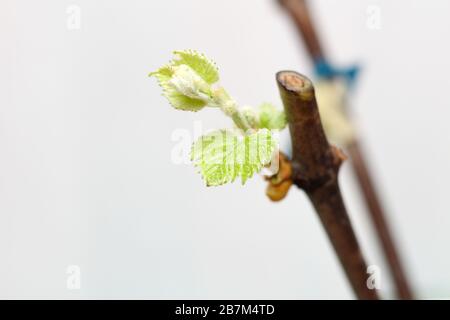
(182, 87)
(198, 62)
(182, 102)
(224, 155)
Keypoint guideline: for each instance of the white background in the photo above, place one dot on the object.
(87, 179)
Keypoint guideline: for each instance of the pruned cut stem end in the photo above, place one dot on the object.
(296, 82)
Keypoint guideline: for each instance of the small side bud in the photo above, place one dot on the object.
(278, 192)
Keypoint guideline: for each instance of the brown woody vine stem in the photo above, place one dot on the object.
(378, 219)
(298, 10)
(315, 166)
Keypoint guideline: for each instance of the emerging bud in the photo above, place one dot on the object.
(187, 82)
